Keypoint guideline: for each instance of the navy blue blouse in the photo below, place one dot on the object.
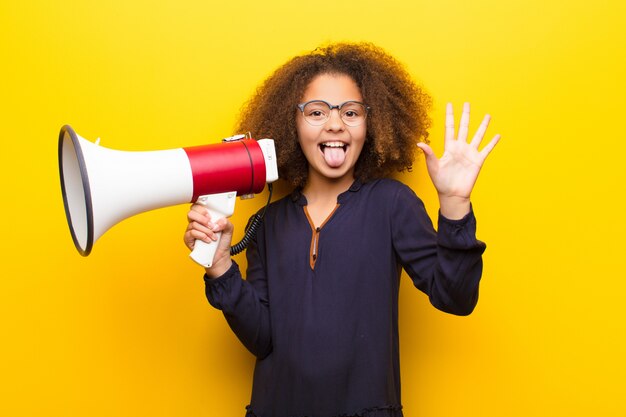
(319, 307)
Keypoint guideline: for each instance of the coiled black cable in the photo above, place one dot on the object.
(251, 228)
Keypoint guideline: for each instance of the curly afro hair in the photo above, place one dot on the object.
(398, 118)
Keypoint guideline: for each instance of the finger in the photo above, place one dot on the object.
(449, 123)
(480, 133)
(199, 208)
(190, 237)
(204, 228)
(464, 124)
(428, 151)
(200, 216)
(432, 162)
(489, 147)
(224, 225)
(189, 241)
(198, 235)
(209, 229)
(205, 232)
(193, 215)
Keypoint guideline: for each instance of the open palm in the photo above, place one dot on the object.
(455, 173)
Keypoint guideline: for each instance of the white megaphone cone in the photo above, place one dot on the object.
(102, 186)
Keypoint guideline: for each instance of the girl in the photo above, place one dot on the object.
(319, 305)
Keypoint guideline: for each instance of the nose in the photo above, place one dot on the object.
(334, 122)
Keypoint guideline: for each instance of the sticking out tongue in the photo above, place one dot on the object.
(334, 156)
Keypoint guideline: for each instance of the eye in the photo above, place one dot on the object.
(316, 111)
(352, 111)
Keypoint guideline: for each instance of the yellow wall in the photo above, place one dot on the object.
(127, 331)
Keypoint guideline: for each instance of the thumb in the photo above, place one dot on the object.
(432, 163)
(224, 225)
(428, 151)
(431, 158)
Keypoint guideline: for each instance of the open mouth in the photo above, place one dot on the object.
(333, 145)
(334, 153)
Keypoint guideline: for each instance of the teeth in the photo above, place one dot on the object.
(334, 144)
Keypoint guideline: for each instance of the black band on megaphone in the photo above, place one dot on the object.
(78, 158)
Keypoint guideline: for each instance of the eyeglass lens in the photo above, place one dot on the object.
(318, 112)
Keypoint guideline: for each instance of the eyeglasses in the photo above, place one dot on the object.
(317, 112)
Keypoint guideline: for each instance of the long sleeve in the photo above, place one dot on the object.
(244, 304)
(446, 265)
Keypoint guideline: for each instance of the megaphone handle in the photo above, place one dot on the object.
(203, 253)
(218, 205)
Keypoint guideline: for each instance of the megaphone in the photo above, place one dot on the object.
(102, 186)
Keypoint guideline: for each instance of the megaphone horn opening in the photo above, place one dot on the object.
(76, 190)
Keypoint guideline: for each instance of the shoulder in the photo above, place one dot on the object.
(387, 197)
(390, 188)
(397, 200)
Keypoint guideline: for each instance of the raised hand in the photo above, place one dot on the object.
(456, 172)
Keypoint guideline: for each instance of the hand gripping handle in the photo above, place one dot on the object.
(219, 206)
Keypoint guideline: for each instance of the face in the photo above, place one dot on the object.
(331, 149)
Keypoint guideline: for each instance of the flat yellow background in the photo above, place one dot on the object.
(128, 332)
